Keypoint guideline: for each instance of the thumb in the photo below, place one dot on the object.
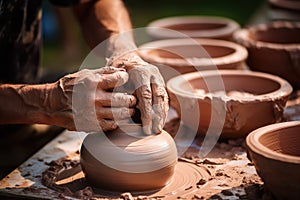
(110, 81)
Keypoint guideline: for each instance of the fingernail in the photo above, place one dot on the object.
(158, 129)
(147, 130)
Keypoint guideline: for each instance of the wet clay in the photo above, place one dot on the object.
(253, 100)
(66, 176)
(123, 159)
(274, 150)
(231, 175)
(192, 26)
(227, 94)
(273, 48)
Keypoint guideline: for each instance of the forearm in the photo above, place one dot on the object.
(30, 104)
(100, 20)
(109, 20)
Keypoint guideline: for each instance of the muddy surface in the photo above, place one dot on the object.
(225, 173)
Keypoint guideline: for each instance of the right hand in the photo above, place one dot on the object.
(87, 102)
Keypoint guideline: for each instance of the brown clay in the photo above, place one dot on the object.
(179, 56)
(253, 100)
(192, 26)
(273, 48)
(275, 152)
(127, 160)
(287, 4)
(66, 176)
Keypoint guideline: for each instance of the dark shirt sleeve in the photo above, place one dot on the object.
(64, 2)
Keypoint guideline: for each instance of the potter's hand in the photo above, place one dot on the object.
(89, 101)
(150, 91)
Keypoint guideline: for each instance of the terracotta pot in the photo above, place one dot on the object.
(240, 101)
(179, 56)
(288, 4)
(275, 152)
(192, 26)
(127, 160)
(273, 48)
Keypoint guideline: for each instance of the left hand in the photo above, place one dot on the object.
(150, 91)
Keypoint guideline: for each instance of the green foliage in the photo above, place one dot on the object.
(142, 12)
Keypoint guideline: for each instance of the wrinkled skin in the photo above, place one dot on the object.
(82, 101)
(149, 89)
(95, 107)
(90, 108)
(108, 20)
(153, 98)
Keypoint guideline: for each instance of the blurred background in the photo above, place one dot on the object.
(65, 49)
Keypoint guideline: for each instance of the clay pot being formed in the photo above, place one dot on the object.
(127, 160)
(275, 152)
(179, 56)
(192, 26)
(238, 100)
(273, 48)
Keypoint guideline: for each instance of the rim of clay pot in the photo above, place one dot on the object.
(239, 52)
(252, 142)
(290, 4)
(284, 88)
(243, 36)
(225, 27)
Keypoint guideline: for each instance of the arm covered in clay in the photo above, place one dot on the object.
(53, 103)
(109, 20)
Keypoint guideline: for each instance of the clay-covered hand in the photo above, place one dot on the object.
(150, 91)
(90, 102)
(152, 97)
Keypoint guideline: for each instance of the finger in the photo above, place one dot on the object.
(108, 70)
(144, 95)
(116, 79)
(107, 125)
(115, 113)
(140, 77)
(160, 107)
(113, 99)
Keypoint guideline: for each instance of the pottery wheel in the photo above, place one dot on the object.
(66, 177)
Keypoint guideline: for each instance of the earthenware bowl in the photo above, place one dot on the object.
(192, 26)
(286, 4)
(275, 152)
(273, 48)
(238, 99)
(127, 160)
(179, 56)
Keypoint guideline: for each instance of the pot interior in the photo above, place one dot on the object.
(196, 26)
(191, 51)
(285, 141)
(232, 82)
(280, 35)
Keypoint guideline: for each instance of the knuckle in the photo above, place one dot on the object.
(146, 93)
(124, 112)
(132, 100)
(154, 69)
(160, 92)
(101, 97)
(108, 125)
